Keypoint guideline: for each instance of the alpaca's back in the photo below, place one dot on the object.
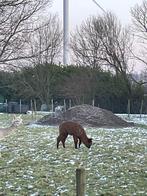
(6, 131)
(71, 128)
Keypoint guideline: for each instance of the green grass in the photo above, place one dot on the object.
(30, 164)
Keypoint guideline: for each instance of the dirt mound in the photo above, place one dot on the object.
(87, 115)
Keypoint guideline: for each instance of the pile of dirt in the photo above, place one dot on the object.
(86, 115)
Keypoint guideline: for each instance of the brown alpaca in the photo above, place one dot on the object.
(76, 130)
(17, 121)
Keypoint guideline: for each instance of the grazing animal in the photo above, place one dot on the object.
(76, 130)
(15, 123)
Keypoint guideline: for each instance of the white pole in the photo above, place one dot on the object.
(66, 32)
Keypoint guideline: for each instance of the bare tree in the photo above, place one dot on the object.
(16, 21)
(139, 18)
(103, 41)
(46, 41)
(86, 45)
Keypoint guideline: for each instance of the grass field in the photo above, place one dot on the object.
(31, 165)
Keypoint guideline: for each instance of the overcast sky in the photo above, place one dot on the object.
(81, 9)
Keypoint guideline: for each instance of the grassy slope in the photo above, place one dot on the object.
(30, 164)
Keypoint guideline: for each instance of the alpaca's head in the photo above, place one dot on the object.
(89, 143)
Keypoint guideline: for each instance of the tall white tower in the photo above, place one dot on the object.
(65, 32)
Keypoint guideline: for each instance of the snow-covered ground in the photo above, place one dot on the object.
(30, 163)
(136, 118)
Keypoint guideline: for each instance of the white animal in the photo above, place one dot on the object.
(17, 121)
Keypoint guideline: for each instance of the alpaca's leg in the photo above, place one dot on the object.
(75, 140)
(58, 141)
(80, 142)
(63, 140)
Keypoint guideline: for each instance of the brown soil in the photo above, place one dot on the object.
(87, 115)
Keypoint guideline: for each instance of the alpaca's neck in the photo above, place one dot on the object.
(84, 136)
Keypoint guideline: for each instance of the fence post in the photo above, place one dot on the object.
(64, 105)
(20, 106)
(52, 102)
(35, 108)
(32, 108)
(93, 102)
(80, 181)
(141, 107)
(6, 105)
(129, 108)
(70, 103)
